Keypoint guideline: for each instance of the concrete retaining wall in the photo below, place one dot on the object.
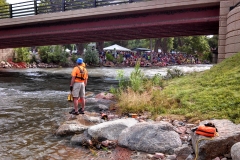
(5, 54)
(233, 33)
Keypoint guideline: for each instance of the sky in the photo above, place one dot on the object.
(16, 1)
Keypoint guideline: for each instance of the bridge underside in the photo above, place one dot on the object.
(186, 22)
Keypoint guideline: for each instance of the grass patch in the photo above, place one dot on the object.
(214, 93)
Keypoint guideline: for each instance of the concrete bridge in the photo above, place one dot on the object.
(148, 19)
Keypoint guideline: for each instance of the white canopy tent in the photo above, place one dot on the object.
(116, 47)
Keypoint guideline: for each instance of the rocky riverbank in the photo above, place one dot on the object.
(10, 64)
(140, 137)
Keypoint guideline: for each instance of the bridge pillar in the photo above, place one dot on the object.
(224, 10)
(233, 32)
(227, 19)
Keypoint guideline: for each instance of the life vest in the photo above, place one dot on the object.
(82, 75)
(208, 130)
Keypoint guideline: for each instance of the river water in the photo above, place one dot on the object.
(33, 103)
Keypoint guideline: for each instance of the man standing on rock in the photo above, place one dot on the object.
(77, 86)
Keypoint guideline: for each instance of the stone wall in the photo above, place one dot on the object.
(233, 32)
(5, 54)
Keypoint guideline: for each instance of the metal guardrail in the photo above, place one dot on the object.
(35, 7)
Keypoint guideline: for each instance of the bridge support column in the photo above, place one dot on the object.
(233, 32)
(224, 10)
(229, 30)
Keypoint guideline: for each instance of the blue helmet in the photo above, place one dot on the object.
(79, 61)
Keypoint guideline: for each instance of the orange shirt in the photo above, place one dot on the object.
(76, 72)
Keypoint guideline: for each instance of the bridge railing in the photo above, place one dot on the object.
(34, 7)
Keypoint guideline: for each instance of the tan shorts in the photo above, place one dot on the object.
(78, 89)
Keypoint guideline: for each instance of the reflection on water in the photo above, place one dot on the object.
(34, 103)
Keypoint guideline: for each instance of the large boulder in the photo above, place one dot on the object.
(209, 148)
(110, 130)
(150, 137)
(235, 151)
(81, 139)
(70, 128)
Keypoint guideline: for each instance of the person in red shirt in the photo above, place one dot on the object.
(77, 86)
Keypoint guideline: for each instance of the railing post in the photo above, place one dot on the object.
(94, 3)
(63, 5)
(10, 11)
(35, 7)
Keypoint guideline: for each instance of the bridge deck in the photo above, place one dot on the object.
(152, 19)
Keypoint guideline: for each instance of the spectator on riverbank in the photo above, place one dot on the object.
(147, 59)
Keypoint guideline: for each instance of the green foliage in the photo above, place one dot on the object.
(122, 80)
(53, 54)
(213, 41)
(143, 43)
(120, 58)
(113, 90)
(210, 94)
(194, 45)
(34, 59)
(91, 56)
(173, 73)
(22, 55)
(3, 2)
(157, 80)
(137, 79)
(207, 56)
(74, 58)
(4, 9)
(44, 52)
(169, 43)
(109, 57)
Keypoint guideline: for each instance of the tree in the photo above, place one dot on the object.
(91, 56)
(80, 48)
(165, 44)
(99, 46)
(194, 44)
(138, 43)
(213, 41)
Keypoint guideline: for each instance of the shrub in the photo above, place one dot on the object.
(109, 57)
(137, 79)
(22, 55)
(91, 56)
(173, 73)
(74, 58)
(53, 54)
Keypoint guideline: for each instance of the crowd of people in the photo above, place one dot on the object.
(148, 59)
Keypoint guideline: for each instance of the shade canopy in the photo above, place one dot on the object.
(116, 47)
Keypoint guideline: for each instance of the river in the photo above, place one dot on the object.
(34, 103)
